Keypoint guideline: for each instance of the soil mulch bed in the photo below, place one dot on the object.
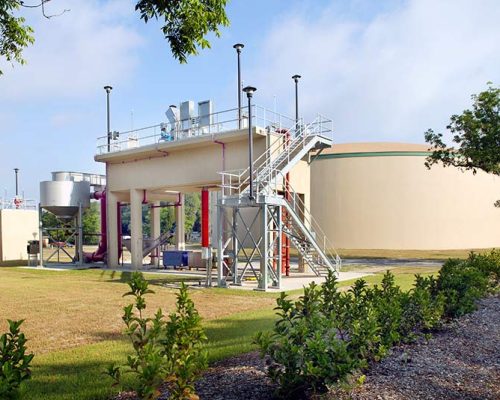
(461, 361)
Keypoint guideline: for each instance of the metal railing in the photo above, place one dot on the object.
(269, 177)
(204, 125)
(18, 203)
(298, 205)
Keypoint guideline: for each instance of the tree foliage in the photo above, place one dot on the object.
(476, 133)
(186, 23)
(14, 34)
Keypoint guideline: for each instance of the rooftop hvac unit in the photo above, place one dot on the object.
(187, 114)
(205, 110)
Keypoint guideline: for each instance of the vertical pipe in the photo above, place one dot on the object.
(296, 80)
(205, 221)
(16, 170)
(249, 90)
(40, 234)
(108, 116)
(238, 47)
(80, 234)
(250, 145)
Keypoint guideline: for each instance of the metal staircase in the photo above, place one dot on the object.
(269, 172)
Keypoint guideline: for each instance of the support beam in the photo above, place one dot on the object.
(180, 241)
(264, 249)
(136, 197)
(111, 229)
(155, 230)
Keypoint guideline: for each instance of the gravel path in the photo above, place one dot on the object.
(462, 361)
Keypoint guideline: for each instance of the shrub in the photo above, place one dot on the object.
(183, 347)
(169, 352)
(327, 335)
(147, 363)
(305, 349)
(423, 308)
(321, 338)
(14, 362)
(461, 283)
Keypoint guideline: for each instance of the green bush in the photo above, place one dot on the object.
(462, 283)
(306, 351)
(327, 335)
(423, 308)
(165, 352)
(14, 362)
(183, 347)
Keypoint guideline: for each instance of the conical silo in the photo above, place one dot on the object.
(63, 198)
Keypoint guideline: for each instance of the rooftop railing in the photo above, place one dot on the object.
(18, 203)
(202, 125)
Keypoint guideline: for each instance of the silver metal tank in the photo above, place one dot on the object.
(63, 198)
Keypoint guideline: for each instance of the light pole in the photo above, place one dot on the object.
(16, 170)
(108, 91)
(249, 90)
(296, 79)
(238, 47)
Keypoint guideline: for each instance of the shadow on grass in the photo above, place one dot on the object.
(76, 380)
(126, 276)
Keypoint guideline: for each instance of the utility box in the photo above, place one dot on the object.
(33, 247)
(175, 259)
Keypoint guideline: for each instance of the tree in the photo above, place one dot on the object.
(186, 23)
(14, 34)
(477, 134)
(91, 223)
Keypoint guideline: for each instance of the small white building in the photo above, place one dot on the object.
(17, 227)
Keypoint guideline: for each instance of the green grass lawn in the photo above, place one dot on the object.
(73, 321)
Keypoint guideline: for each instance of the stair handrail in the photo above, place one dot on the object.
(319, 127)
(311, 221)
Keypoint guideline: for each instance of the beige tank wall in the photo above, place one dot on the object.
(16, 228)
(395, 202)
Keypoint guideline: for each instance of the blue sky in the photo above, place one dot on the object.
(384, 71)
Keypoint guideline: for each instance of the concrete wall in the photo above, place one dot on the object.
(381, 196)
(16, 228)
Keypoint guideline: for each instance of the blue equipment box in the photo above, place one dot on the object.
(175, 258)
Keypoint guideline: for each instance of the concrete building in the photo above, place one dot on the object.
(161, 166)
(17, 227)
(381, 196)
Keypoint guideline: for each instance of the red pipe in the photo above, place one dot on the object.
(102, 249)
(285, 256)
(205, 222)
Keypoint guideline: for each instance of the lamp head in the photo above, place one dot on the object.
(108, 88)
(296, 78)
(238, 47)
(249, 90)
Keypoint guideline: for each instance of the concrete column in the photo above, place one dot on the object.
(180, 241)
(155, 229)
(136, 197)
(111, 228)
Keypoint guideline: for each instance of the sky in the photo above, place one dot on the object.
(383, 70)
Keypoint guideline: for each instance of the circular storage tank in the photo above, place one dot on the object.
(63, 198)
(381, 196)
